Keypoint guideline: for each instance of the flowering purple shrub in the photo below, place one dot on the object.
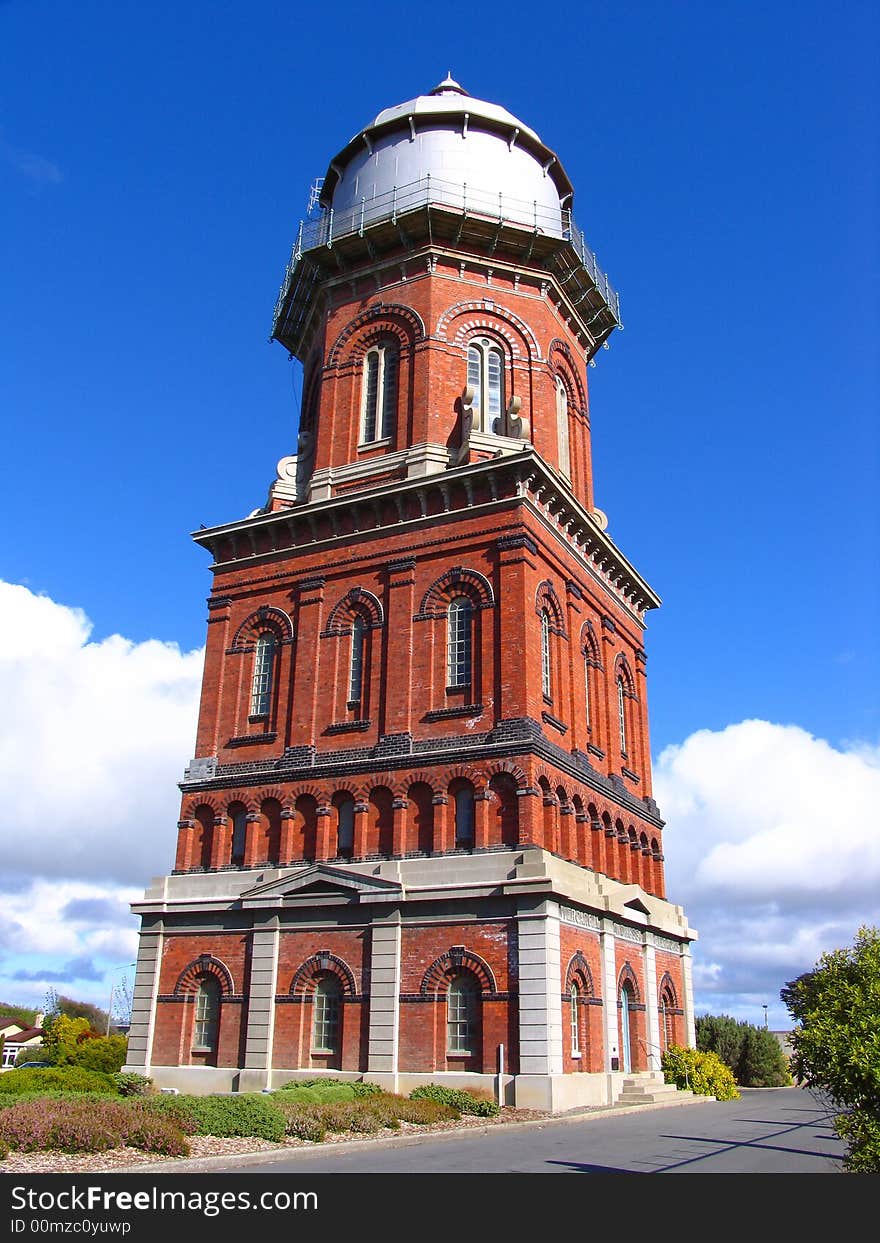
(81, 1125)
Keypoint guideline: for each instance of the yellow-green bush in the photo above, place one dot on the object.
(703, 1073)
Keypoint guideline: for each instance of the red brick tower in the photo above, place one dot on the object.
(417, 840)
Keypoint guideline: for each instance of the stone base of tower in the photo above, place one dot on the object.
(541, 983)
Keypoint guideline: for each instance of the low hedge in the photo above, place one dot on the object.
(456, 1098)
(327, 1089)
(250, 1114)
(363, 1117)
(56, 1078)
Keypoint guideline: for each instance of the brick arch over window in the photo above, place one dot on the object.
(578, 972)
(323, 962)
(456, 581)
(356, 603)
(205, 964)
(563, 363)
(546, 598)
(589, 643)
(506, 768)
(478, 318)
(390, 319)
(266, 618)
(628, 976)
(457, 958)
(666, 988)
(202, 800)
(622, 670)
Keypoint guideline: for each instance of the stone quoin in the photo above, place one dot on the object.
(417, 840)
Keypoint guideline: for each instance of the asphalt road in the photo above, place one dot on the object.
(767, 1131)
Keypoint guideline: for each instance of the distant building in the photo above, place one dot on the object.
(17, 1036)
(418, 840)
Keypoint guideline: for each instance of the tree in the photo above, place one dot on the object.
(62, 1039)
(84, 1010)
(721, 1034)
(762, 1064)
(837, 1041)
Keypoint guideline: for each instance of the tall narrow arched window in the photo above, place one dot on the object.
(264, 665)
(459, 650)
(485, 377)
(464, 817)
(379, 406)
(562, 437)
(463, 1015)
(621, 714)
(546, 678)
(206, 1024)
(327, 1005)
(575, 994)
(356, 670)
(345, 828)
(588, 717)
(239, 833)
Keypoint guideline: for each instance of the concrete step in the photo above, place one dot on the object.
(650, 1089)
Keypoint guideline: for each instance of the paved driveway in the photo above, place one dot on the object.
(769, 1131)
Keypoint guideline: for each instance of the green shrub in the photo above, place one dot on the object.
(4, 1150)
(47, 1078)
(250, 1114)
(317, 1094)
(860, 1131)
(423, 1111)
(456, 1098)
(129, 1083)
(105, 1053)
(703, 1073)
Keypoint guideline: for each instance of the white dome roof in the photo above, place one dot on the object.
(456, 141)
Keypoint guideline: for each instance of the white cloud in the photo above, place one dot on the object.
(773, 848)
(94, 740)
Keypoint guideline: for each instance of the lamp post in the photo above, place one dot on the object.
(765, 1016)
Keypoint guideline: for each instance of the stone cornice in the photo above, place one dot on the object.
(523, 477)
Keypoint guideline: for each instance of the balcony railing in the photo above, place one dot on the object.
(429, 191)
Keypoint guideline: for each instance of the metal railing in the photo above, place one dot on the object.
(430, 191)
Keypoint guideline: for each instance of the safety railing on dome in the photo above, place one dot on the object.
(430, 191)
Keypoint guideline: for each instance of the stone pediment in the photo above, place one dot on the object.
(320, 885)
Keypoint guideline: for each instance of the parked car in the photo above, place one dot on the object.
(31, 1065)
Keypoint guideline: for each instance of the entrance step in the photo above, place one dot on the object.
(650, 1089)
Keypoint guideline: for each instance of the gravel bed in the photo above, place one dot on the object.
(215, 1146)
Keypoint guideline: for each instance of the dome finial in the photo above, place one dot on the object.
(448, 86)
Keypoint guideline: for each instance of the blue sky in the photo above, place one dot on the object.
(154, 163)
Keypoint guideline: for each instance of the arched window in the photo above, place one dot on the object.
(463, 1015)
(621, 714)
(546, 679)
(588, 701)
(345, 828)
(206, 1024)
(667, 1018)
(562, 427)
(464, 817)
(356, 671)
(379, 392)
(459, 651)
(575, 994)
(485, 376)
(327, 1005)
(264, 664)
(239, 832)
